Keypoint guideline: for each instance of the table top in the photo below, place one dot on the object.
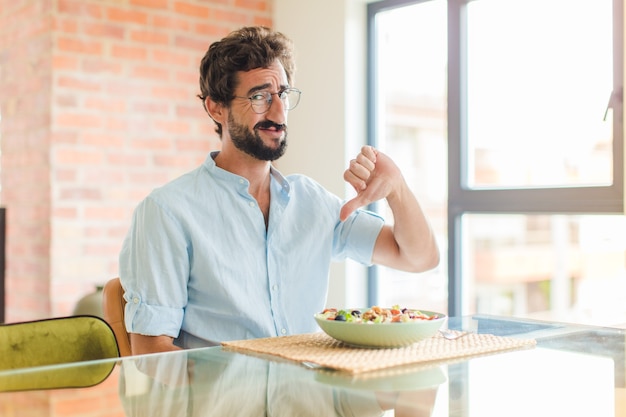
(573, 370)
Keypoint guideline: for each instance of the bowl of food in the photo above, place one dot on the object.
(378, 327)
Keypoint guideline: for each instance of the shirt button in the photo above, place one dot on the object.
(252, 204)
(136, 300)
(283, 331)
(241, 181)
(275, 287)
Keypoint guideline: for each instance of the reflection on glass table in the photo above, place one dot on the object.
(573, 370)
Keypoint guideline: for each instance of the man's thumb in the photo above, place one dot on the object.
(349, 208)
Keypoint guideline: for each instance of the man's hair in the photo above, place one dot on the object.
(242, 50)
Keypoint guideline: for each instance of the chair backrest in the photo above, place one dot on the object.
(113, 304)
(41, 344)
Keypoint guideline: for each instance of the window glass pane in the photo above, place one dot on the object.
(562, 267)
(412, 116)
(540, 75)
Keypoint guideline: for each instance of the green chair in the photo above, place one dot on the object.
(28, 351)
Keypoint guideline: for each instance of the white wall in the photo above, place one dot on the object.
(327, 128)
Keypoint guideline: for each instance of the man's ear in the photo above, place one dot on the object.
(216, 110)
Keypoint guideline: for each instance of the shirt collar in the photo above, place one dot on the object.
(227, 175)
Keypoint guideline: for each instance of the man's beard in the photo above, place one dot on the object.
(252, 144)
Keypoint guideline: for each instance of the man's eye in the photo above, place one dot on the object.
(258, 97)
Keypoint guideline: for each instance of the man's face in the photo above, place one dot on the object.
(263, 136)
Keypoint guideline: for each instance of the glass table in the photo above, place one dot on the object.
(573, 370)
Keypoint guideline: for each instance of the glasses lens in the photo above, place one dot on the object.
(261, 102)
(290, 98)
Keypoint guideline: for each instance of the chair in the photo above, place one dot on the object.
(29, 350)
(113, 304)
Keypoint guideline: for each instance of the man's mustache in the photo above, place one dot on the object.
(269, 125)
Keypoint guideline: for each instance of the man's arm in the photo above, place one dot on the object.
(141, 344)
(409, 244)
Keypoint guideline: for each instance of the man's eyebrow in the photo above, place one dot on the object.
(259, 88)
(265, 87)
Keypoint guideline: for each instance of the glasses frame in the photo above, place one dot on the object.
(264, 100)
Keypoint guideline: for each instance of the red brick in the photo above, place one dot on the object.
(98, 65)
(80, 8)
(74, 83)
(232, 16)
(65, 212)
(65, 62)
(155, 4)
(151, 144)
(150, 37)
(66, 100)
(103, 140)
(177, 127)
(201, 146)
(115, 105)
(61, 136)
(217, 2)
(193, 110)
(102, 249)
(134, 161)
(79, 46)
(126, 16)
(147, 177)
(116, 124)
(104, 176)
(255, 5)
(188, 77)
(66, 25)
(211, 29)
(171, 22)
(262, 21)
(65, 175)
(129, 52)
(174, 161)
(77, 157)
(151, 72)
(151, 107)
(171, 57)
(193, 43)
(99, 212)
(80, 194)
(192, 10)
(170, 92)
(106, 30)
(78, 120)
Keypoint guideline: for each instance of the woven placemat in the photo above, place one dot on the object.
(325, 351)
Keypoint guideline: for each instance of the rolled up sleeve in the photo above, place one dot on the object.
(155, 285)
(355, 238)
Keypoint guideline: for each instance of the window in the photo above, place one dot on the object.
(409, 104)
(525, 110)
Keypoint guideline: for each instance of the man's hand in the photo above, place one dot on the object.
(372, 174)
(407, 245)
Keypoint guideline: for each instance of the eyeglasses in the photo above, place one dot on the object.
(262, 100)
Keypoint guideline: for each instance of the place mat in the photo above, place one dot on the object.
(323, 350)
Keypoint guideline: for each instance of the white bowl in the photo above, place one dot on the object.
(382, 335)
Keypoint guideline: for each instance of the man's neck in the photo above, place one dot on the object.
(257, 172)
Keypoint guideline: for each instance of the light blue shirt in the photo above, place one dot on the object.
(199, 265)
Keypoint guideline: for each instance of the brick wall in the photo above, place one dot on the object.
(98, 106)
(25, 94)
